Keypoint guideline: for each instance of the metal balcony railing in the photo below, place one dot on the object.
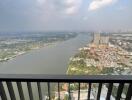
(88, 87)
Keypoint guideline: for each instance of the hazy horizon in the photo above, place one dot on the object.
(65, 15)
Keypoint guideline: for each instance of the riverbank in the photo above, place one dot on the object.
(100, 60)
(27, 51)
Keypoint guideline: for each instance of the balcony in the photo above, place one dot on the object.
(114, 86)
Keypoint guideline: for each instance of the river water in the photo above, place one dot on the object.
(52, 59)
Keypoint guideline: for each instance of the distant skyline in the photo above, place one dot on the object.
(65, 15)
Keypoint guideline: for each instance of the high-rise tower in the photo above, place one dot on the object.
(96, 39)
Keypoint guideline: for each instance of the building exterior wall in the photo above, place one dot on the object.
(96, 38)
(104, 40)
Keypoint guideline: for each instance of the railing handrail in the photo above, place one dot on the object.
(66, 78)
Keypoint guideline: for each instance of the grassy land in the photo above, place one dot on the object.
(79, 67)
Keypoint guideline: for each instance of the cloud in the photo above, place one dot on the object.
(68, 7)
(41, 1)
(72, 6)
(97, 4)
(71, 10)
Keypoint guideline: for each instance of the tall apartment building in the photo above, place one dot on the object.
(104, 40)
(98, 39)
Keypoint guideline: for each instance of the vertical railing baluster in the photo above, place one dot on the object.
(11, 90)
(30, 90)
(69, 92)
(39, 91)
(89, 91)
(79, 91)
(2, 92)
(49, 90)
(129, 92)
(20, 90)
(58, 90)
(119, 91)
(109, 91)
(99, 91)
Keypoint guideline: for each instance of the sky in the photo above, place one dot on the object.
(66, 15)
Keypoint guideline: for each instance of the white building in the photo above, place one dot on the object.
(104, 40)
(96, 39)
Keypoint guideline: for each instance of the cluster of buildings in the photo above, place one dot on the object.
(100, 53)
(122, 40)
(103, 56)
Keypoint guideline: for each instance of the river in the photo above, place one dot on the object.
(52, 59)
